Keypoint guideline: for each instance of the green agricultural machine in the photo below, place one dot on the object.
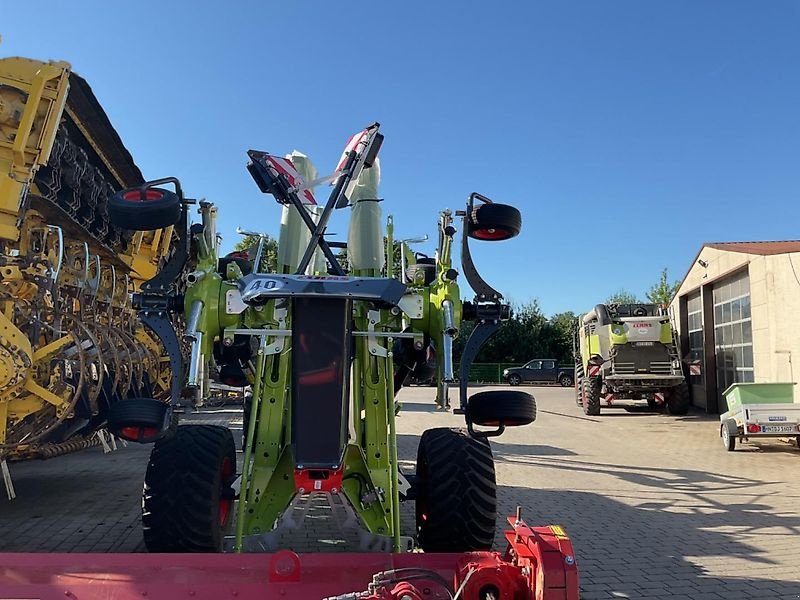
(326, 349)
(626, 355)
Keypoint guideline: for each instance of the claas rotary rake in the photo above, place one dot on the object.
(326, 349)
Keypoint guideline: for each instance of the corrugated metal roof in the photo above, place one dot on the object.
(762, 248)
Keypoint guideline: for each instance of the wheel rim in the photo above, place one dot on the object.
(726, 436)
(491, 233)
(225, 503)
(514, 380)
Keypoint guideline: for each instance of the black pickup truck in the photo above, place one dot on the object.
(540, 370)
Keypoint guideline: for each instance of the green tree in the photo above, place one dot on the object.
(623, 296)
(269, 257)
(564, 325)
(663, 291)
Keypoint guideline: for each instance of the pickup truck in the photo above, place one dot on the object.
(540, 370)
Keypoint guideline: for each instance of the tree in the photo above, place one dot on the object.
(269, 257)
(662, 292)
(623, 296)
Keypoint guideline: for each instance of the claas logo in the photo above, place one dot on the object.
(642, 325)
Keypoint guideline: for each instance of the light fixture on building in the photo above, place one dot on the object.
(702, 263)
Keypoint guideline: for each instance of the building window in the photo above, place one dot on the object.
(733, 331)
(694, 309)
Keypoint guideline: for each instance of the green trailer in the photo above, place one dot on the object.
(759, 410)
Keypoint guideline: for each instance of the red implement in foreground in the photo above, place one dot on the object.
(539, 564)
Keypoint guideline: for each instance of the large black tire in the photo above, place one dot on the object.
(677, 399)
(579, 384)
(501, 407)
(591, 395)
(457, 502)
(187, 500)
(156, 209)
(494, 222)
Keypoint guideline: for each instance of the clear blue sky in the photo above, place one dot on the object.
(628, 132)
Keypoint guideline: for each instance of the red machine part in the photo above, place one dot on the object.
(538, 565)
(318, 480)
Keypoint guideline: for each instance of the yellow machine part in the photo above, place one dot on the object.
(70, 341)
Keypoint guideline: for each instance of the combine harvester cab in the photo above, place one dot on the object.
(326, 351)
(72, 346)
(627, 355)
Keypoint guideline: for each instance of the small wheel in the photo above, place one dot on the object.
(728, 432)
(501, 407)
(514, 379)
(565, 381)
(139, 419)
(457, 503)
(494, 222)
(187, 500)
(144, 209)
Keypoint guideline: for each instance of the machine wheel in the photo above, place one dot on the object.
(677, 399)
(494, 222)
(578, 384)
(138, 419)
(187, 500)
(728, 431)
(457, 503)
(514, 379)
(159, 208)
(591, 395)
(565, 380)
(506, 407)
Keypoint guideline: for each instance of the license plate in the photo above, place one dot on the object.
(778, 429)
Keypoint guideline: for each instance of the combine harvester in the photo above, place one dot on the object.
(326, 351)
(71, 345)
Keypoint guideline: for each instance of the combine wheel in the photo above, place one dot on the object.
(494, 222)
(579, 384)
(188, 501)
(457, 502)
(591, 395)
(144, 210)
(677, 399)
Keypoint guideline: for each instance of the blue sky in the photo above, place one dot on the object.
(627, 132)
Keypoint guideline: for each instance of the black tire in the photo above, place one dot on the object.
(494, 222)
(457, 503)
(677, 399)
(187, 500)
(139, 419)
(578, 384)
(565, 380)
(591, 395)
(514, 379)
(495, 407)
(729, 431)
(421, 273)
(128, 210)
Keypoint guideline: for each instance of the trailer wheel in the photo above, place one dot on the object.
(187, 500)
(591, 395)
(457, 503)
(494, 222)
(565, 380)
(728, 432)
(677, 399)
(133, 209)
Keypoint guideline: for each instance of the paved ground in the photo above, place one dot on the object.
(655, 506)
